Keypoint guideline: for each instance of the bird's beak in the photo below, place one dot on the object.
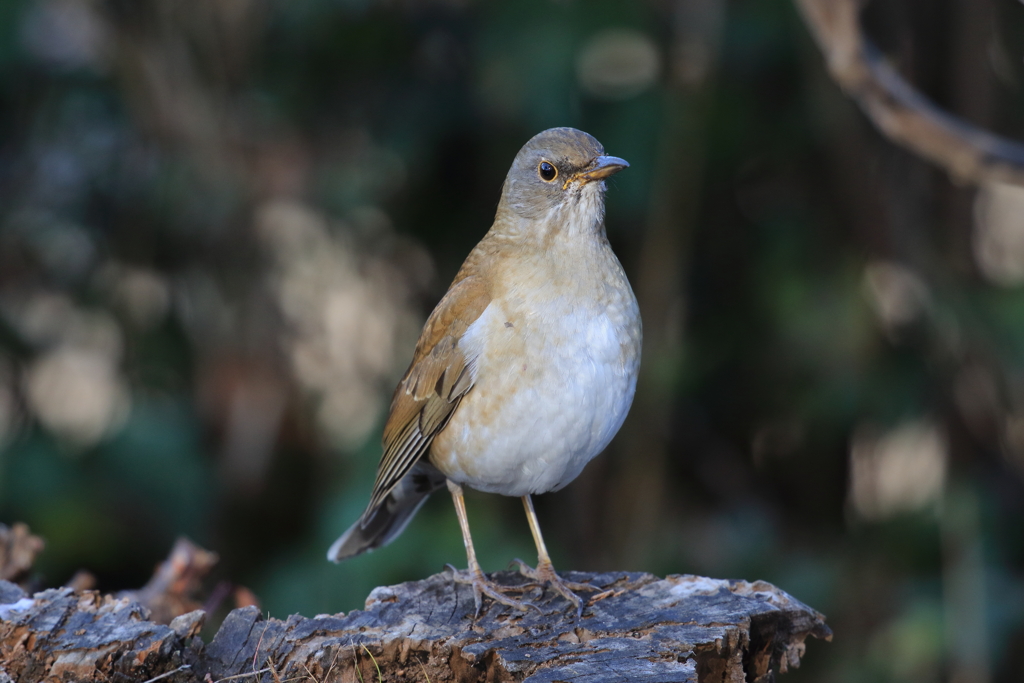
(602, 167)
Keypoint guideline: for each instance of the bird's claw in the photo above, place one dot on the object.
(483, 586)
(544, 574)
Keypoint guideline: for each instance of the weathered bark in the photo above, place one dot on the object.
(638, 628)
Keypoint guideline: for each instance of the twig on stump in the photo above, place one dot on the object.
(642, 629)
(18, 550)
(170, 592)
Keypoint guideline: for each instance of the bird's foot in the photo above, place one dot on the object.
(545, 574)
(483, 586)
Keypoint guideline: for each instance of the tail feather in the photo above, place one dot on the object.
(382, 524)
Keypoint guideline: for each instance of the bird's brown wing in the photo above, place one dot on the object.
(437, 379)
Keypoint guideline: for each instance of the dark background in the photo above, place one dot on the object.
(222, 223)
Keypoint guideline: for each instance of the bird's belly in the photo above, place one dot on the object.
(546, 399)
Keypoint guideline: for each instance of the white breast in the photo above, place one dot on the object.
(555, 372)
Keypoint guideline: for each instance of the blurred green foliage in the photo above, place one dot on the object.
(222, 221)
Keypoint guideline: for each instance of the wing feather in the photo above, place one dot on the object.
(439, 376)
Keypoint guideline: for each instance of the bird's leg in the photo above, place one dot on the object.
(474, 576)
(545, 571)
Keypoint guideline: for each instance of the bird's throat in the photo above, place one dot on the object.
(579, 217)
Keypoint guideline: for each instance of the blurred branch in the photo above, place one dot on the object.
(181, 65)
(902, 113)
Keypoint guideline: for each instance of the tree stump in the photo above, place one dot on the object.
(636, 627)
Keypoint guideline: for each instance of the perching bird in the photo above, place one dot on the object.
(526, 368)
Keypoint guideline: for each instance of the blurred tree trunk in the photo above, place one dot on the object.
(627, 512)
(972, 96)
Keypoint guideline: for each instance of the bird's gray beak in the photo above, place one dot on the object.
(602, 167)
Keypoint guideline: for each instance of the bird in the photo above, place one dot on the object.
(526, 368)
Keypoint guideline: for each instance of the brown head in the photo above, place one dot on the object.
(558, 167)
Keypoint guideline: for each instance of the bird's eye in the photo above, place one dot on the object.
(547, 171)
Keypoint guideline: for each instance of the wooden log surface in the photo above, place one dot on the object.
(636, 627)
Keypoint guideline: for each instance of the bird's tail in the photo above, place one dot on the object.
(380, 525)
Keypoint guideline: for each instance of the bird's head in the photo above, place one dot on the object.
(558, 169)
